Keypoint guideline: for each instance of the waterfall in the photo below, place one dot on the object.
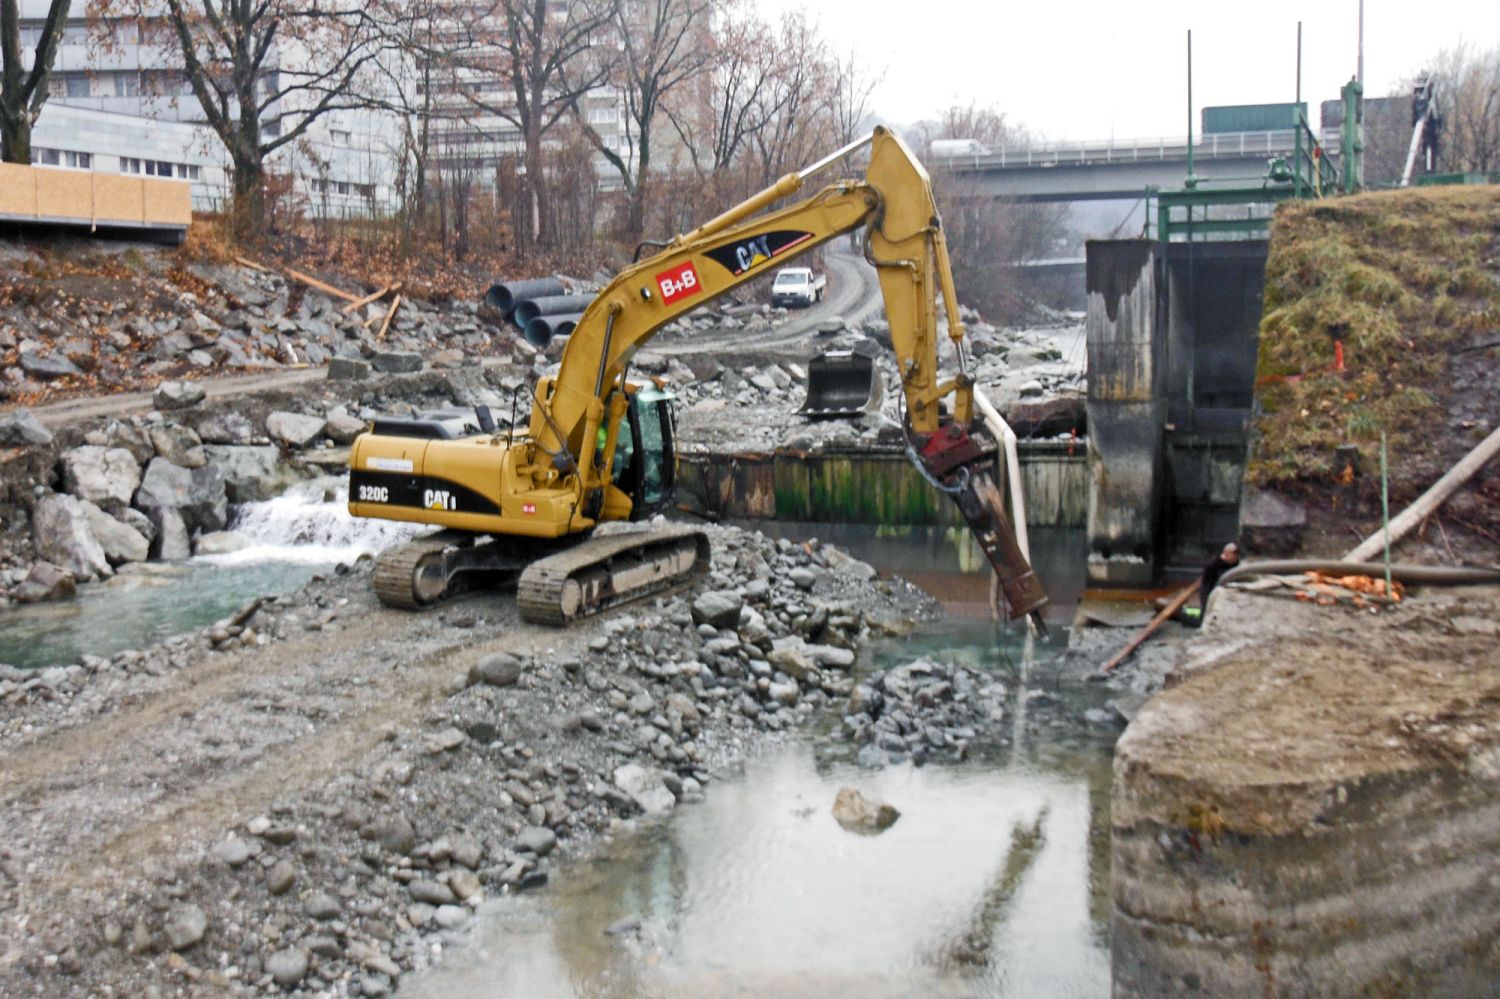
(309, 523)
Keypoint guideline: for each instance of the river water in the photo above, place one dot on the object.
(994, 882)
(291, 538)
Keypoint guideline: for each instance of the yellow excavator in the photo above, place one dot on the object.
(526, 499)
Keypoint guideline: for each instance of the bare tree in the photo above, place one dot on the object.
(547, 55)
(23, 91)
(717, 124)
(853, 87)
(1469, 97)
(795, 101)
(255, 101)
(663, 45)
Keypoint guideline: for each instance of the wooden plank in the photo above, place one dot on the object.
(329, 289)
(247, 262)
(373, 296)
(391, 314)
(1178, 601)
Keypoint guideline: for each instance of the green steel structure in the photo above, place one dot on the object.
(1243, 208)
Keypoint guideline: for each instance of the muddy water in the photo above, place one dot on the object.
(305, 531)
(994, 882)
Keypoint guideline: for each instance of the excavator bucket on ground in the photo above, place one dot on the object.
(842, 383)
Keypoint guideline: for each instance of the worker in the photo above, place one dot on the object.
(1227, 559)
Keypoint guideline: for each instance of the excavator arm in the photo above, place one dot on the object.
(895, 203)
(533, 492)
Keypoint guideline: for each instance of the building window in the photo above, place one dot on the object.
(127, 32)
(365, 190)
(187, 171)
(129, 164)
(127, 84)
(46, 157)
(78, 161)
(77, 84)
(339, 136)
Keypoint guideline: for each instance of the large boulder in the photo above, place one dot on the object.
(121, 542)
(21, 428)
(294, 429)
(219, 427)
(718, 608)
(104, 475)
(45, 581)
(177, 395)
(171, 542)
(39, 365)
(179, 445)
(396, 362)
(343, 428)
(863, 814)
(60, 529)
(251, 474)
(196, 494)
(645, 787)
(132, 438)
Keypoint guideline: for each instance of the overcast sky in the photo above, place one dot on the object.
(1076, 69)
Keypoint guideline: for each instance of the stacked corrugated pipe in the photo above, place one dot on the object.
(540, 308)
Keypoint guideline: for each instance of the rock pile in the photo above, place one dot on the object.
(920, 711)
(166, 319)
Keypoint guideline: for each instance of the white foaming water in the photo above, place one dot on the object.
(309, 523)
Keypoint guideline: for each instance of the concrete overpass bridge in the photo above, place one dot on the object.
(1118, 169)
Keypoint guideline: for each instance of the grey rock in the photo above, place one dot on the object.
(343, 428)
(464, 883)
(104, 475)
(498, 670)
(466, 850)
(21, 428)
(538, 839)
(803, 578)
(862, 813)
(348, 369)
(185, 926)
(446, 740)
(644, 786)
(44, 581)
(450, 916)
(233, 851)
(251, 474)
(294, 429)
(321, 905)
(431, 892)
(60, 530)
(392, 362)
(132, 438)
(198, 494)
(47, 366)
(121, 542)
(178, 444)
(224, 427)
(170, 541)
(718, 608)
(177, 395)
(281, 877)
(287, 967)
(219, 543)
(393, 833)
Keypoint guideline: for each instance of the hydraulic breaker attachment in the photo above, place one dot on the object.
(958, 463)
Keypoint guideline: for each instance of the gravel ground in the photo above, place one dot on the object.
(320, 801)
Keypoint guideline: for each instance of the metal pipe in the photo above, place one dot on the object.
(1439, 575)
(1191, 180)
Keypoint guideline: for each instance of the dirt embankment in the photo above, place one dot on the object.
(1408, 282)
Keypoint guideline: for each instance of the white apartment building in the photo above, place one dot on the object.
(118, 100)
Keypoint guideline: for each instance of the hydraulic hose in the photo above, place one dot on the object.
(1435, 575)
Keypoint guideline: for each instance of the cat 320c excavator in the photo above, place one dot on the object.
(526, 499)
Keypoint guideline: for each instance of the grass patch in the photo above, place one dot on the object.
(1405, 278)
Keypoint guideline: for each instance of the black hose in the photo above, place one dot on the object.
(1437, 575)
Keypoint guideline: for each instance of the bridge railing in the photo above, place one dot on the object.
(1081, 153)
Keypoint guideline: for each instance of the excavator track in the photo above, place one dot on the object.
(605, 572)
(411, 575)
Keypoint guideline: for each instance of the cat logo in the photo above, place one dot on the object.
(439, 499)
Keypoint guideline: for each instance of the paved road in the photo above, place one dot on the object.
(853, 294)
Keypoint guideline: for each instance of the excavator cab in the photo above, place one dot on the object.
(645, 466)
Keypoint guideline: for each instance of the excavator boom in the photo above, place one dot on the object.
(561, 476)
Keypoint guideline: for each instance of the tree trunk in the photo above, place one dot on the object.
(15, 136)
(247, 210)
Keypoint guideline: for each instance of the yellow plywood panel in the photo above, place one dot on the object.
(17, 189)
(119, 198)
(168, 202)
(63, 193)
